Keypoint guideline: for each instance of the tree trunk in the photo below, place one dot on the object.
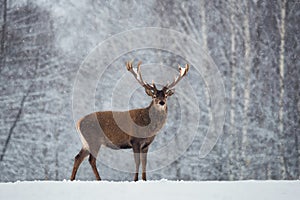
(232, 130)
(3, 35)
(281, 84)
(247, 56)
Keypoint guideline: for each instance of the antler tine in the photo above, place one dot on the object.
(140, 79)
(153, 85)
(144, 84)
(182, 73)
(140, 74)
(129, 68)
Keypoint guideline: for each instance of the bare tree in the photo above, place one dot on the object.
(233, 66)
(281, 82)
(247, 43)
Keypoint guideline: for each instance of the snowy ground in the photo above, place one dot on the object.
(241, 190)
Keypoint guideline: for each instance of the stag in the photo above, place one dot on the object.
(134, 129)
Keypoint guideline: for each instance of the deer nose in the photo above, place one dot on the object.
(162, 103)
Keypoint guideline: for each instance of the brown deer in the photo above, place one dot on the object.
(134, 129)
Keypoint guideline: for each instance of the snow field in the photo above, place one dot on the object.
(240, 190)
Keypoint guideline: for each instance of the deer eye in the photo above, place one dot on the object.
(154, 96)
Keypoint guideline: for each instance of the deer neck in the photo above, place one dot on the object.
(158, 116)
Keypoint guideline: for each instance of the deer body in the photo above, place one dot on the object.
(134, 129)
(111, 135)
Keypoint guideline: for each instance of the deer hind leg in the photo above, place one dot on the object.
(136, 153)
(78, 160)
(92, 161)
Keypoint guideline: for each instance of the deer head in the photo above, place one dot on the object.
(159, 97)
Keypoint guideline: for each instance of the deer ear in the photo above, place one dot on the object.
(170, 92)
(149, 92)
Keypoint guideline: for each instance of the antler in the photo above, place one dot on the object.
(140, 79)
(182, 73)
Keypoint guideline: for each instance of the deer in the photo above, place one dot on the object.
(134, 129)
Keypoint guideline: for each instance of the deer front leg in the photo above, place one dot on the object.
(144, 162)
(78, 160)
(136, 153)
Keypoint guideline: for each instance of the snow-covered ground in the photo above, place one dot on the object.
(241, 190)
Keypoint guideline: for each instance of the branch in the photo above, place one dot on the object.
(11, 130)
